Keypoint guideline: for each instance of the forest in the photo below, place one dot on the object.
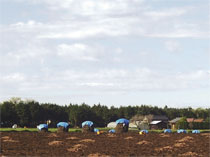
(30, 113)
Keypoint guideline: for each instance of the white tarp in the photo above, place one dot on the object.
(112, 125)
(155, 122)
(14, 126)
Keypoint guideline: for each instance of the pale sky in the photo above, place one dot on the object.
(116, 52)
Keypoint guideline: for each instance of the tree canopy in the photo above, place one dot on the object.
(31, 113)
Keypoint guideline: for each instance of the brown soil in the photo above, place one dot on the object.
(80, 144)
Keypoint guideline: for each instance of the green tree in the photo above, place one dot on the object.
(23, 112)
(8, 114)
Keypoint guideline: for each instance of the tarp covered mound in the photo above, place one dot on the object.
(167, 131)
(144, 131)
(196, 131)
(181, 131)
(14, 126)
(63, 124)
(63, 127)
(123, 121)
(96, 130)
(87, 126)
(112, 131)
(122, 125)
(88, 123)
(42, 127)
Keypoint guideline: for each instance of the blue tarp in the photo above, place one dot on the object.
(112, 131)
(167, 131)
(63, 124)
(42, 126)
(196, 131)
(181, 131)
(145, 131)
(96, 130)
(88, 123)
(122, 120)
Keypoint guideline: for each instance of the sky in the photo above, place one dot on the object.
(112, 52)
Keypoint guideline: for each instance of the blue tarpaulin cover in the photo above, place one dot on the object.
(112, 131)
(96, 130)
(196, 131)
(42, 126)
(167, 131)
(122, 120)
(88, 123)
(181, 131)
(63, 124)
(145, 131)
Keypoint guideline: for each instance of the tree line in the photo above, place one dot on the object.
(30, 113)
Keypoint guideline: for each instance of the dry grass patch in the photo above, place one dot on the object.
(72, 138)
(8, 139)
(190, 154)
(144, 143)
(166, 148)
(128, 138)
(186, 139)
(88, 140)
(76, 148)
(5, 137)
(57, 143)
(180, 145)
(164, 135)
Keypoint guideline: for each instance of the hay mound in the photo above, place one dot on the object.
(10, 140)
(144, 143)
(190, 154)
(180, 145)
(120, 128)
(186, 139)
(87, 129)
(164, 135)
(77, 148)
(128, 138)
(62, 129)
(87, 141)
(163, 149)
(55, 143)
(72, 138)
(5, 137)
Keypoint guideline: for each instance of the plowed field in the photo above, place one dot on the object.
(126, 144)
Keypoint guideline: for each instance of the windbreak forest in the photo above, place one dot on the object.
(30, 113)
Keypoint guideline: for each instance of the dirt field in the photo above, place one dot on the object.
(126, 144)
